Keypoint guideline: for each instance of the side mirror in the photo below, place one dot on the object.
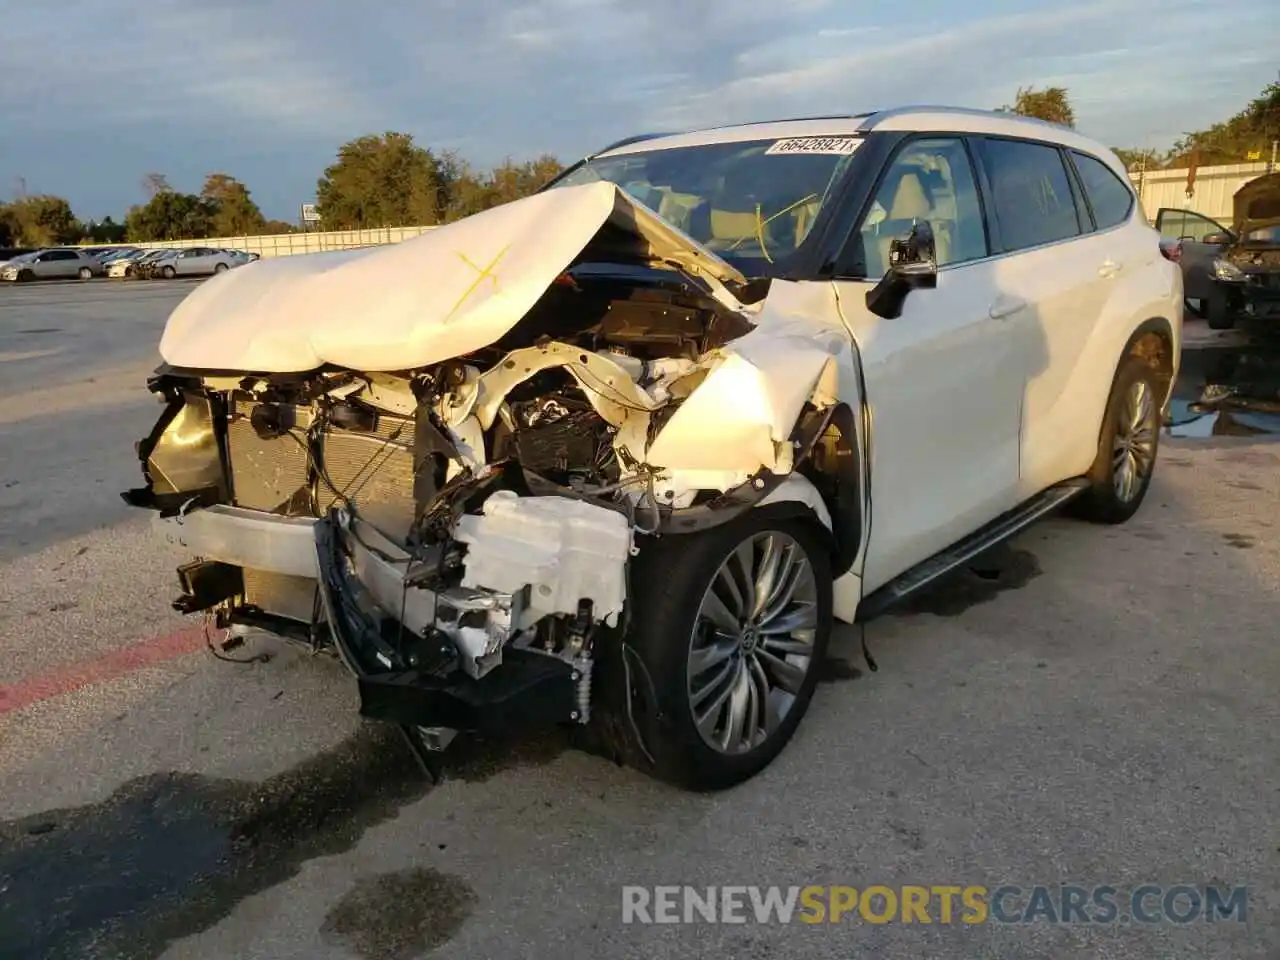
(913, 265)
(1217, 239)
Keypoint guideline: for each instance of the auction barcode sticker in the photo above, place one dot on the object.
(838, 145)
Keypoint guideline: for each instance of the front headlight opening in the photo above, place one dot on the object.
(1226, 270)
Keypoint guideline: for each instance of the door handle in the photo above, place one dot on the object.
(1006, 307)
(1109, 268)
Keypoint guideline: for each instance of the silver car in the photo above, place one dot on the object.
(56, 264)
(200, 262)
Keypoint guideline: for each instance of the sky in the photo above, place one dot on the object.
(94, 95)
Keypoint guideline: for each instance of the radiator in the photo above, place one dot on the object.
(374, 470)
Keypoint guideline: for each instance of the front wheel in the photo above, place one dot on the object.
(26, 275)
(220, 268)
(1217, 310)
(168, 273)
(86, 273)
(1127, 448)
(728, 627)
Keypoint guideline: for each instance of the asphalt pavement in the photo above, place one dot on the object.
(1087, 706)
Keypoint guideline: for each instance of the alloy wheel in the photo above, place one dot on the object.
(753, 642)
(1133, 449)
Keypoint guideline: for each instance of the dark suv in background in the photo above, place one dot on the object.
(1231, 272)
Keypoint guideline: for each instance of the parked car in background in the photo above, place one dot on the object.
(1235, 271)
(200, 262)
(621, 452)
(53, 264)
(102, 252)
(111, 254)
(141, 267)
(119, 266)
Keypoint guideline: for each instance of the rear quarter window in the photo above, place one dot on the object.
(1031, 196)
(1110, 200)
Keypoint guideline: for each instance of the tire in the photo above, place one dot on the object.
(1217, 311)
(1127, 448)
(220, 268)
(26, 276)
(168, 273)
(671, 582)
(86, 273)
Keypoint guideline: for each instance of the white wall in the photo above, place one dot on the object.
(1213, 189)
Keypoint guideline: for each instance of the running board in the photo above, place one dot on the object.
(1002, 528)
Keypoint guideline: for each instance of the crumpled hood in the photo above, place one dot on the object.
(1257, 203)
(451, 291)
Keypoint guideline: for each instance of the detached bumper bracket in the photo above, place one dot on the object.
(529, 689)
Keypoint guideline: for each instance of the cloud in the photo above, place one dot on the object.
(268, 89)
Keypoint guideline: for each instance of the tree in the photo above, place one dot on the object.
(170, 216)
(9, 229)
(278, 226)
(381, 181)
(1135, 159)
(1251, 130)
(42, 220)
(1049, 104)
(108, 231)
(154, 184)
(234, 212)
(508, 181)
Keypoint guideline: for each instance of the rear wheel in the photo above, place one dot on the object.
(728, 627)
(1127, 447)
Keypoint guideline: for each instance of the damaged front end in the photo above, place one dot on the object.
(462, 532)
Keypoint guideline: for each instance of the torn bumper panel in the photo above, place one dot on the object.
(409, 647)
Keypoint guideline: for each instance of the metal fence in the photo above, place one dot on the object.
(291, 244)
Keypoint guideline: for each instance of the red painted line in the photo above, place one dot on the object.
(109, 666)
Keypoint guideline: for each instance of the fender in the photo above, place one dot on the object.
(1166, 361)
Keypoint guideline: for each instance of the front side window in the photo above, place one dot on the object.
(928, 180)
(753, 202)
(1108, 197)
(1030, 193)
(1186, 225)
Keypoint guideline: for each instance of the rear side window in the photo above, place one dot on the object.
(1030, 193)
(1109, 198)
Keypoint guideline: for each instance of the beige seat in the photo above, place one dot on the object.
(676, 207)
(910, 204)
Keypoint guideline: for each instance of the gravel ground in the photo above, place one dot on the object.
(1096, 707)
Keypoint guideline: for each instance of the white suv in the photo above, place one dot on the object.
(621, 453)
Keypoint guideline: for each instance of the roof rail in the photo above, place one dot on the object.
(875, 118)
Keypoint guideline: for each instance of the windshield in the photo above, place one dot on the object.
(751, 202)
(23, 258)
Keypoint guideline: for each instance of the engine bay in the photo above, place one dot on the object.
(563, 408)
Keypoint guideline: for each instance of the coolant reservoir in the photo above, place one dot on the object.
(564, 550)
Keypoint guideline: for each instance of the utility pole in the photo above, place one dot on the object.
(1271, 164)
